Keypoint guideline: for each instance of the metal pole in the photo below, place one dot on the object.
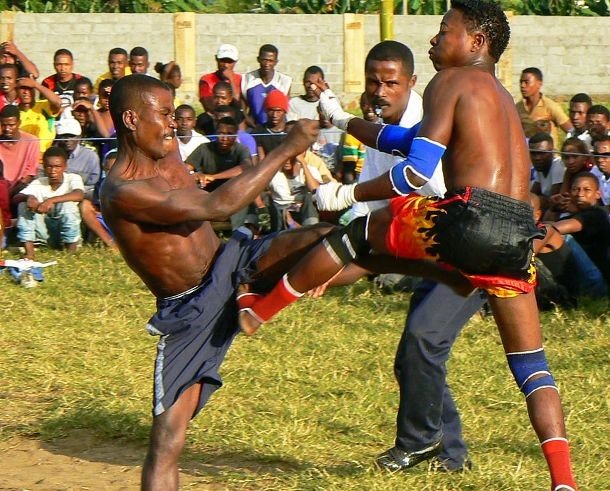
(386, 19)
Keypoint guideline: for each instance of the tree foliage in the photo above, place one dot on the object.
(420, 7)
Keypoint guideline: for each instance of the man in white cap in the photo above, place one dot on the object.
(226, 58)
(81, 160)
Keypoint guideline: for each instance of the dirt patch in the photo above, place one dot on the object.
(79, 462)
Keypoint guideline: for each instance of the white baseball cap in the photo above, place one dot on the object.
(68, 126)
(227, 51)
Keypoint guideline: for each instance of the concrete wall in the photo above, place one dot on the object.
(571, 51)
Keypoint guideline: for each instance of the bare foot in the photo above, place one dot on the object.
(248, 321)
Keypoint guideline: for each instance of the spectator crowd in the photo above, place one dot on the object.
(58, 142)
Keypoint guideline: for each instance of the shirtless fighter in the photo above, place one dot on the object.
(483, 227)
(161, 223)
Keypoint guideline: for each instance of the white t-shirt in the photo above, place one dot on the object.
(187, 148)
(378, 163)
(555, 176)
(41, 189)
(285, 191)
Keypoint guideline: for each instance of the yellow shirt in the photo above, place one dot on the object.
(34, 121)
(105, 76)
(546, 116)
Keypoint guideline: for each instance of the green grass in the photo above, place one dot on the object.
(308, 402)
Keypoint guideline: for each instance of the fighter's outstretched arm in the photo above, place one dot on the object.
(142, 202)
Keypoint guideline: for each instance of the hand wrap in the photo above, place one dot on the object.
(331, 107)
(333, 196)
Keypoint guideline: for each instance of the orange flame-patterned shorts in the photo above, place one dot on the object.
(487, 236)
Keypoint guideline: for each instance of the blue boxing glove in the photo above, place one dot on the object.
(396, 140)
(422, 161)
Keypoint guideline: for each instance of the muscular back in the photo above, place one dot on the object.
(170, 254)
(469, 111)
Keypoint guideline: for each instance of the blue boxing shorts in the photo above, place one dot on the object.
(197, 327)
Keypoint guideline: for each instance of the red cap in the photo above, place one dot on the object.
(276, 98)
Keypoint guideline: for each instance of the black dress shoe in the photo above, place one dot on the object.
(396, 459)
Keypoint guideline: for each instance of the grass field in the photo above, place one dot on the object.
(307, 403)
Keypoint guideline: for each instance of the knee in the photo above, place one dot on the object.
(531, 371)
(166, 440)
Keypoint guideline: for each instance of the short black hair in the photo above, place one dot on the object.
(267, 48)
(10, 66)
(84, 81)
(128, 93)
(312, 70)
(55, 152)
(222, 108)
(599, 109)
(228, 120)
(536, 72)
(138, 51)
(489, 18)
(223, 86)
(117, 51)
(63, 52)
(586, 175)
(107, 82)
(392, 51)
(601, 139)
(184, 107)
(581, 98)
(581, 146)
(10, 112)
(540, 137)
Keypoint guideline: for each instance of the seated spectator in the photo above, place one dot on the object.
(601, 156)
(90, 208)
(8, 86)
(538, 112)
(19, 151)
(306, 105)
(578, 107)
(80, 160)
(222, 96)
(589, 226)
(598, 121)
(212, 164)
(5, 207)
(314, 161)
(37, 115)
(226, 58)
(329, 144)
(188, 138)
(257, 84)
(104, 124)
(243, 136)
(117, 67)
(63, 81)
(138, 60)
(171, 74)
(576, 159)
(271, 133)
(557, 278)
(549, 170)
(353, 153)
(291, 201)
(83, 89)
(49, 212)
(10, 54)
